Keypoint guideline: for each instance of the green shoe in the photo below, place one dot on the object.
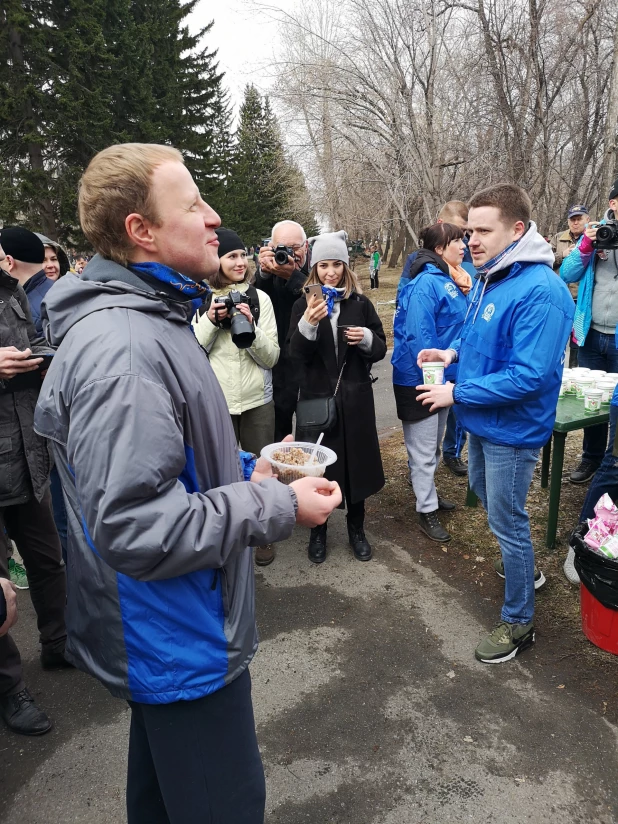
(504, 642)
(18, 575)
(539, 578)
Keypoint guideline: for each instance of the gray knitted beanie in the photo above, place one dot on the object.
(330, 246)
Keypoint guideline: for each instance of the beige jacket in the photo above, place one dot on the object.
(244, 374)
(563, 244)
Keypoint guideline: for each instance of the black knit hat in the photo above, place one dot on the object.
(22, 244)
(614, 192)
(228, 241)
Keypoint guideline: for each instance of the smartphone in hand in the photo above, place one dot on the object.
(314, 289)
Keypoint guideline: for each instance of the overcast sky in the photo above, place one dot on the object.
(244, 38)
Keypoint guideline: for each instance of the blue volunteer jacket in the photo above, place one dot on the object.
(511, 354)
(430, 314)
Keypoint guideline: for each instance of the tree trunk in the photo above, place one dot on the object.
(608, 169)
(398, 247)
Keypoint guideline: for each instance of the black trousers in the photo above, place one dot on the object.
(196, 762)
(31, 526)
(285, 395)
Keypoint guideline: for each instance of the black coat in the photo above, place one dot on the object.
(358, 468)
(24, 457)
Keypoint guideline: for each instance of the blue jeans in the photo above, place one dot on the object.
(501, 477)
(606, 479)
(598, 352)
(450, 447)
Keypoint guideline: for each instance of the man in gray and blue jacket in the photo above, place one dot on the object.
(161, 521)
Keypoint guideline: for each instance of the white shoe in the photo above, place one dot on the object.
(569, 567)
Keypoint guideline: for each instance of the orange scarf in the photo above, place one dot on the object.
(461, 278)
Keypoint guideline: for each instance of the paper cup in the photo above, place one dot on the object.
(581, 384)
(592, 401)
(433, 373)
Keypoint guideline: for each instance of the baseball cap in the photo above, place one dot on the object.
(578, 209)
(22, 244)
(614, 192)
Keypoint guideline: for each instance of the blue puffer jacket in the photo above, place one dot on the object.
(512, 349)
(36, 288)
(578, 267)
(430, 314)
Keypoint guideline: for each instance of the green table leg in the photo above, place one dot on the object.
(554, 488)
(471, 499)
(545, 464)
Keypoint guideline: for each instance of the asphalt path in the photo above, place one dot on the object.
(369, 704)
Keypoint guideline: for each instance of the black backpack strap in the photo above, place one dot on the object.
(253, 294)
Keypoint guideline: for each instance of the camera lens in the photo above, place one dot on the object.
(242, 330)
(281, 257)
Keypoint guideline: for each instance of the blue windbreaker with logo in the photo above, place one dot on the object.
(430, 314)
(511, 350)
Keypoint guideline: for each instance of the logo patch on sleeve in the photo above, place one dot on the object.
(451, 289)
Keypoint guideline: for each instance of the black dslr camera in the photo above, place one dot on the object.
(243, 333)
(607, 235)
(282, 253)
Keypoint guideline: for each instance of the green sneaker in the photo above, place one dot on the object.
(18, 575)
(504, 642)
(539, 578)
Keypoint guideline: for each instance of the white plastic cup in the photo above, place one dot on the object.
(592, 401)
(563, 387)
(581, 384)
(433, 373)
(596, 375)
(607, 388)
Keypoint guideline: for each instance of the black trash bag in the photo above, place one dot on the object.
(598, 574)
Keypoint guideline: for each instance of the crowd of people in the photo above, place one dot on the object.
(137, 394)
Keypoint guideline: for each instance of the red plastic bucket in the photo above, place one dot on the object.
(600, 625)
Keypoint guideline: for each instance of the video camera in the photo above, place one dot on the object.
(607, 235)
(243, 333)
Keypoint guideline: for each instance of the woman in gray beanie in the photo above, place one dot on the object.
(332, 335)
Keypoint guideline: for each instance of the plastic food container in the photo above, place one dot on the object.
(592, 401)
(581, 384)
(567, 379)
(293, 449)
(563, 387)
(596, 375)
(433, 373)
(607, 388)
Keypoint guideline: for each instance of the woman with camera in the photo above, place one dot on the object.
(335, 335)
(241, 341)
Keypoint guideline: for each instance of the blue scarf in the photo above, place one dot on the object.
(183, 284)
(330, 296)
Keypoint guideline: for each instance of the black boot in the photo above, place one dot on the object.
(432, 527)
(317, 544)
(359, 543)
(22, 715)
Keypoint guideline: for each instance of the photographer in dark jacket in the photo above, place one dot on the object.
(25, 505)
(283, 284)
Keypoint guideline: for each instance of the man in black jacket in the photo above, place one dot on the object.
(25, 505)
(283, 284)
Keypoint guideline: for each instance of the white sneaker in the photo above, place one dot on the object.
(569, 567)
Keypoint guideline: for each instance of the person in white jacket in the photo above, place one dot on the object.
(245, 375)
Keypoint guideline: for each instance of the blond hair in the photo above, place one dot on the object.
(453, 209)
(349, 279)
(117, 183)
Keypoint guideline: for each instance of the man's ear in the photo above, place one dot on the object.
(613, 205)
(519, 229)
(139, 232)
(10, 263)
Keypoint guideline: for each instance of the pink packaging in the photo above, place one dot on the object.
(607, 510)
(598, 532)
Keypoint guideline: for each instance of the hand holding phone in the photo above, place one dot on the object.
(313, 289)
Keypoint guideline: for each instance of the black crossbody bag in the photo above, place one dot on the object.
(318, 415)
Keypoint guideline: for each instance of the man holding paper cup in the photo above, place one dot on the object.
(510, 355)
